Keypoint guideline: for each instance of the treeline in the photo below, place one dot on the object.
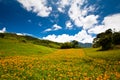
(107, 40)
(73, 44)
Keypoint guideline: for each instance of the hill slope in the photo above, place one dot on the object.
(12, 44)
(29, 39)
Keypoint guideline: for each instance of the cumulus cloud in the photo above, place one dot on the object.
(59, 38)
(37, 6)
(62, 4)
(111, 21)
(54, 28)
(79, 14)
(89, 21)
(69, 25)
(3, 30)
(82, 36)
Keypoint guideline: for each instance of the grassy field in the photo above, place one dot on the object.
(65, 64)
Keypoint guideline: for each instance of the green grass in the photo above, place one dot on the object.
(15, 48)
(107, 55)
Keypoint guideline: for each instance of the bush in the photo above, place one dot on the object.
(66, 45)
(2, 35)
(73, 44)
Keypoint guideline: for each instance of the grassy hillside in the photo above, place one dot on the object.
(12, 47)
(29, 39)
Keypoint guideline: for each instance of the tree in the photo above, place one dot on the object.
(66, 45)
(2, 35)
(75, 44)
(104, 40)
(116, 38)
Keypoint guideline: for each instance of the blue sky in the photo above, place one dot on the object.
(59, 20)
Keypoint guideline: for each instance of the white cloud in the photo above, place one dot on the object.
(59, 38)
(82, 36)
(112, 21)
(37, 6)
(24, 34)
(3, 30)
(54, 28)
(76, 11)
(61, 10)
(62, 4)
(21, 34)
(69, 25)
(80, 16)
(47, 30)
(89, 21)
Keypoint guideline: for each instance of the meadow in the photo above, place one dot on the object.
(61, 64)
(22, 59)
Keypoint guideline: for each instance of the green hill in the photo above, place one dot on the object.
(29, 39)
(12, 44)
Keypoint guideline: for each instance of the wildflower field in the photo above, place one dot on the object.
(65, 64)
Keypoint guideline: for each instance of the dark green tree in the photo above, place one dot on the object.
(104, 40)
(75, 44)
(66, 45)
(72, 44)
(116, 38)
(2, 35)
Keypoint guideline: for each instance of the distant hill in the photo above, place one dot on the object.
(86, 45)
(29, 39)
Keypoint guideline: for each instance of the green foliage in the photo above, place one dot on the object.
(73, 44)
(66, 45)
(2, 35)
(116, 38)
(107, 39)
